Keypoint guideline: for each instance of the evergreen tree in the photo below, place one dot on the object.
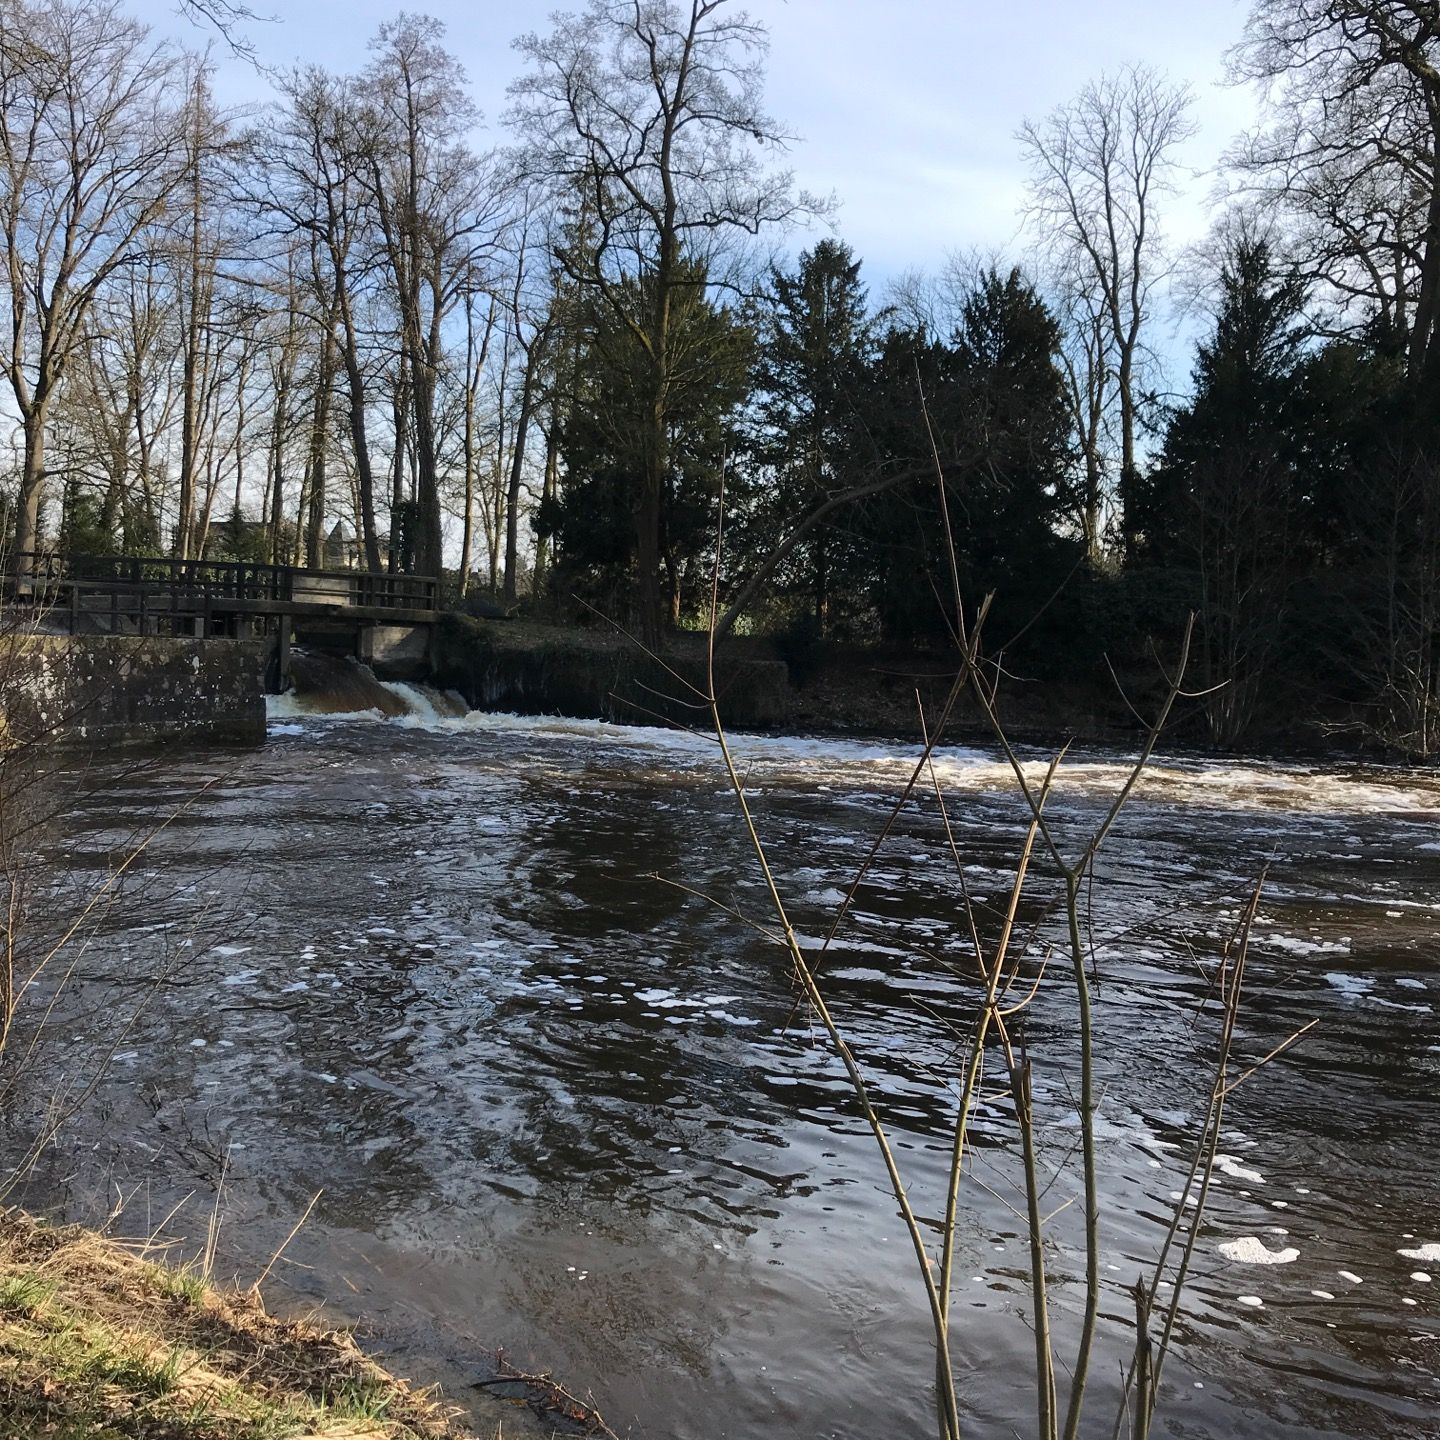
(1226, 504)
(996, 407)
(814, 338)
(603, 448)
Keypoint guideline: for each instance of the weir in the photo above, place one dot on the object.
(341, 685)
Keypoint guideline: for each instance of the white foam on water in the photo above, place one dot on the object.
(1420, 1276)
(1350, 986)
(293, 707)
(1251, 1250)
(1429, 1251)
(1295, 945)
(1253, 1301)
(1229, 1165)
(1322, 1294)
(1351, 1276)
(816, 760)
(1406, 983)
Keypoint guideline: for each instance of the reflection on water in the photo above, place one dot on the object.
(552, 1102)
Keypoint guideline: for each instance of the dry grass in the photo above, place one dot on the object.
(99, 1343)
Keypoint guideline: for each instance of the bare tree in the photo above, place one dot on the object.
(196, 248)
(118, 400)
(1354, 106)
(477, 351)
(307, 178)
(436, 210)
(1098, 167)
(647, 115)
(91, 150)
(225, 17)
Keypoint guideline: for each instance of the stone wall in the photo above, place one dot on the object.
(547, 670)
(96, 690)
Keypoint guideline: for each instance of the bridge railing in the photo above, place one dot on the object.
(207, 584)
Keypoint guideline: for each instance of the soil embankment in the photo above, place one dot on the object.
(97, 1338)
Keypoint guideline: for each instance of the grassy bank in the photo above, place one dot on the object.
(98, 1342)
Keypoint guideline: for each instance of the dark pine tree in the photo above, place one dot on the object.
(1225, 505)
(602, 449)
(995, 401)
(815, 338)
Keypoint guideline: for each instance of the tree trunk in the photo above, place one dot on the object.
(428, 540)
(32, 484)
(400, 403)
(517, 470)
(319, 445)
(549, 488)
(467, 532)
(647, 519)
(364, 473)
(277, 465)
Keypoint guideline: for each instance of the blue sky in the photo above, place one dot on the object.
(906, 109)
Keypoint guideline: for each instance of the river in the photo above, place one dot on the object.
(454, 973)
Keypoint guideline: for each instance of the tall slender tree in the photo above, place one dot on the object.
(1099, 168)
(436, 208)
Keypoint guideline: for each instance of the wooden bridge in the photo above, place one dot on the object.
(224, 599)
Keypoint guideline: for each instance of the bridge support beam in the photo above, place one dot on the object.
(277, 671)
(395, 652)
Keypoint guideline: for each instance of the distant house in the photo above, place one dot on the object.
(344, 550)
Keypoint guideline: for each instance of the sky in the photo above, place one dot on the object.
(905, 110)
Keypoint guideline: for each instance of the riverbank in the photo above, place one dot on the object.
(812, 688)
(527, 668)
(765, 684)
(97, 1340)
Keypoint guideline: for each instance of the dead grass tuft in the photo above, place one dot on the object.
(97, 1342)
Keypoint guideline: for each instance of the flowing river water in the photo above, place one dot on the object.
(457, 972)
